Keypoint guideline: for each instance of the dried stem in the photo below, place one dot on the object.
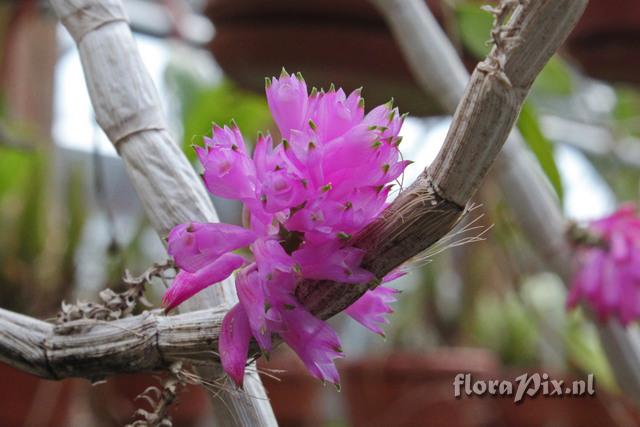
(159, 400)
(96, 349)
(114, 305)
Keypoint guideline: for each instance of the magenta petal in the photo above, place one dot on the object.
(195, 245)
(288, 101)
(251, 295)
(323, 215)
(270, 256)
(612, 286)
(262, 155)
(620, 248)
(233, 344)
(279, 288)
(228, 173)
(379, 116)
(371, 308)
(330, 262)
(394, 275)
(625, 215)
(365, 204)
(587, 283)
(315, 342)
(228, 137)
(333, 114)
(629, 303)
(354, 149)
(281, 190)
(187, 284)
(393, 171)
(281, 184)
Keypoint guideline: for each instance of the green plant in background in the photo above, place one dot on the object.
(573, 338)
(204, 103)
(472, 25)
(248, 110)
(585, 350)
(626, 114)
(413, 326)
(36, 251)
(500, 323)
(541, 147)
(22, 237)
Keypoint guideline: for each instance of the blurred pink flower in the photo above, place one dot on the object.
(608, 277)
(304, 197)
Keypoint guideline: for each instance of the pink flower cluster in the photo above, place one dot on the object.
(608, 277)
(304, 198)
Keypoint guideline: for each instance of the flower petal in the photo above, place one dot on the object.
(250, 290)
(315, 342)
(288, 101)
(331, 262)
(187, 284)
(195, 245)
(233, 344)
(372, 307)
(228, 173)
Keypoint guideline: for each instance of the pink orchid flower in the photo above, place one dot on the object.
(304, 198)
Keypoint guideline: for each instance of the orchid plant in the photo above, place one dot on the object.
(304, 198)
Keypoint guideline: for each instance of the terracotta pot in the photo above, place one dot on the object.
(601, 409)
(28, 401)
(332, 41)
(606, 41)
(114, 401)
(413, 389)
(295, 394)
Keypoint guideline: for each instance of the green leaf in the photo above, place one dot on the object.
(585, 349)
(554, 79)
(221, 104)
(15, 168)
(31, 224)
(627, 110)
(502, 324)
(77, 215)
(474, 27)
(542, 148)
(627, 105)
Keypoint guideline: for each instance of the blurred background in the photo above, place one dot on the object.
(70, 222)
